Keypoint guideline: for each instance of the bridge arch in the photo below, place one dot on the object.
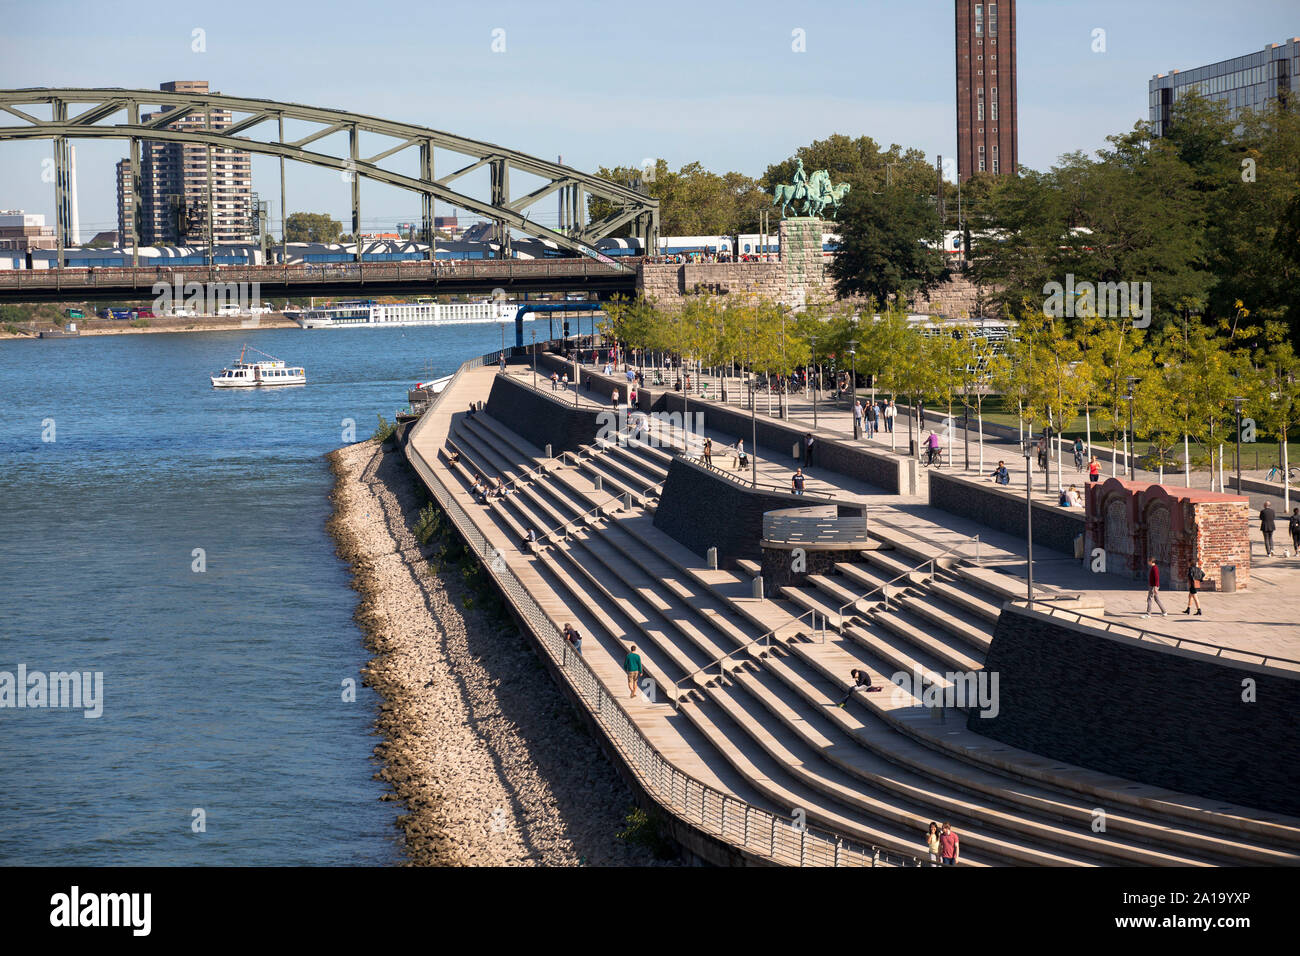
(95, 107)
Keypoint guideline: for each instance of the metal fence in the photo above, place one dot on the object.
(145, 277)
(785, 840)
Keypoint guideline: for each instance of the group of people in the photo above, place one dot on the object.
(1268, 527)
(483, 491)
(874, 417)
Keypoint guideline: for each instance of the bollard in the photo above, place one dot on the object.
(627, 501)
(548, 450)
(758, 588)
(599, 484)
(713, 559)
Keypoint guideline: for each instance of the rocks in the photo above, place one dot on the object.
(478, 743)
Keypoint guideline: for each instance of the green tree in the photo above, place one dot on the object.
(312, 227)
(889, 247)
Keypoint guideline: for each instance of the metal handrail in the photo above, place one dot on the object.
(1145, 635)
(930, 561)
(749, 828)
(764, 638)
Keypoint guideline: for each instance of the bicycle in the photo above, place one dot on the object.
(1292, 472)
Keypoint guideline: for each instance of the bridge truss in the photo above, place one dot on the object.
(258, 126)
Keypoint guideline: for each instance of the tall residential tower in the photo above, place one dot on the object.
(174, 184)
(987, 132)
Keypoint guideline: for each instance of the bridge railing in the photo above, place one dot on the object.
(145, 277)
(785, 840)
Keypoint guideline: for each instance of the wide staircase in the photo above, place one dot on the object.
(761, 680)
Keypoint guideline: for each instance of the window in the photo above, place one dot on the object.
(979, 19)
(979, 114)
(993, 19)
(981, 164)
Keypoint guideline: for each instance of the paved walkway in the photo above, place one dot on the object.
(1264, 619)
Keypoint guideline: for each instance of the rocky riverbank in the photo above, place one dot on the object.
(487, 754)
(197, 323)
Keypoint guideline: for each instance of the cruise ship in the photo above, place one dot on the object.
(369, 314)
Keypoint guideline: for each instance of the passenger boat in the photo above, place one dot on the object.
(249, 374)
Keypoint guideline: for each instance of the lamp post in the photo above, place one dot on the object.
(1029, 518)
(1132, 439)
(813, 340)
(534, 358)
(853, 384)
(753, 429)
(1236, 407)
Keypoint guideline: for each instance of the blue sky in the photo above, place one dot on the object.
(611, 83)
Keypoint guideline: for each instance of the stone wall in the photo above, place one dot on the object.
(702, 510)
(1155, 714)
(1003, 509)
(540, 418)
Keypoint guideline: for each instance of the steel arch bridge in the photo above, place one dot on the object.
(116, 114)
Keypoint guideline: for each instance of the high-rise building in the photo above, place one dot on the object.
(1247, 82)
(174, 183)
(987, 133)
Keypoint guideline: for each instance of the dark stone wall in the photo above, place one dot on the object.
(778, 565)
(1003, 509)
(538, 417)
(702, 510)
(1149, 713)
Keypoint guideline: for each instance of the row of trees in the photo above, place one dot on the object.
(1057, 373)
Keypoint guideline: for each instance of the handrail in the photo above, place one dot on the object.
(1145, 635)
(734, 821)
(764, 638)
(930, 561)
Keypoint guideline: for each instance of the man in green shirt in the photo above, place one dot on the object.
(632, 664)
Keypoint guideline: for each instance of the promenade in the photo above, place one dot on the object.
(741, 691)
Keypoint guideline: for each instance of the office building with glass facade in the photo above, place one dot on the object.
(1247, 82)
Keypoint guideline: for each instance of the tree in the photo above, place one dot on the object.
(890, 247)
(692, 201)
(312, 227)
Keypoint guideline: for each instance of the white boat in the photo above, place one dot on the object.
(249, 374)
(369, 314)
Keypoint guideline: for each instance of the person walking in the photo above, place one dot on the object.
(708, 452)
(808, 449)
(1094, 469)
(949, 845)
(555, 381)
(857, 419)
(1042, 453)
(796, 481)
(1268, 524)
(632, 666)
(891, 412)
(615, 398)
(1153, 588)
(1000, 474)
(872, 427)
(1195, 575)
(1293, 525)
(740, 460)
(932, 843)
(861, 681)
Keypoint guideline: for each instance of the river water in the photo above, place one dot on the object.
(223, 668)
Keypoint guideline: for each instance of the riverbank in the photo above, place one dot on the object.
(198, 323)
(492, 764)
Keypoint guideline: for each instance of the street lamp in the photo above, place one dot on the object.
(816, 381)
(853, 382)
(1028, 450)
(534, 359)
(1132, 439)
(1236, 407)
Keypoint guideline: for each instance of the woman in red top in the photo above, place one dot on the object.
(1094, 469)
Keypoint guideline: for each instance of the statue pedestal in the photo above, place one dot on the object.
(803, 261)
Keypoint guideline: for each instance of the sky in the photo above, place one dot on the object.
(607, 83)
